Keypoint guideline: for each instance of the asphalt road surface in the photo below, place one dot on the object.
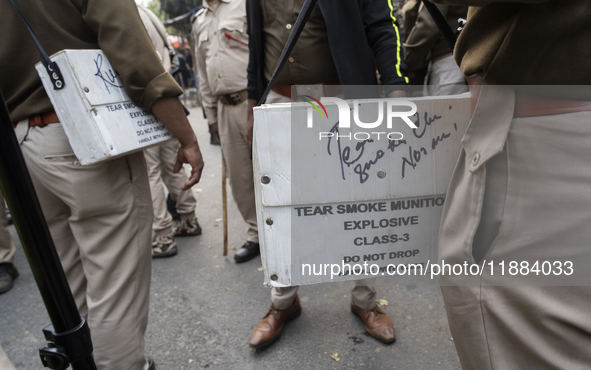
(204, 307)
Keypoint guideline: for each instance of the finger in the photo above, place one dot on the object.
(194, 179)
(178, 164)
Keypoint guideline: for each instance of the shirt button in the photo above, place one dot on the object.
(475, 159)
(219, 76)
(216, 54)
(288, 26)
(291, 60)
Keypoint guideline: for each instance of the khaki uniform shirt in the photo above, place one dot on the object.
(221, 48)
(424, 42)
(157, 34)
(310, 61)
(113, 26)
(533, 42)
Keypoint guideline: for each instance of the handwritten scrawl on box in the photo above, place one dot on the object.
(360, 194)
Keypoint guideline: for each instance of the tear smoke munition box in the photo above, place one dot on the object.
(372, 193)
(98, 116)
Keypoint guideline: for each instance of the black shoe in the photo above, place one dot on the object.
(151, 363)
(248, 251)
(171, 206)
(8, 273)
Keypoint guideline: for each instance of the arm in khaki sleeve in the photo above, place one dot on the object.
(123, 38)
(422, 38)
(171, 113)
(208, 99)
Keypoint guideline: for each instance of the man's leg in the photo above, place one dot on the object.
(232, 128)
(7, 249)
(8, 273)
(445, 78)
(523, 203)
(163, 244)
(285, 307)
(363, 304)
(185, 201)
(108, 209)
(283, 298)
(363, 293)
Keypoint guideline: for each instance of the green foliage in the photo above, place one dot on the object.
(154, 6)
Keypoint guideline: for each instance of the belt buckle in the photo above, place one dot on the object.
(234, 98)
(231, 99)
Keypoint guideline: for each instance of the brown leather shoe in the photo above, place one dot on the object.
(269, 328)
(377, 323)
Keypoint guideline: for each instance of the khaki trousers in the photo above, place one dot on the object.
(232, 129)
(444, 78)
(99, 217)
(7, 249)
(160, 161)
(363, 292)
(520, 191)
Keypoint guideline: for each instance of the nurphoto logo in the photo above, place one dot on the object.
(345, 117)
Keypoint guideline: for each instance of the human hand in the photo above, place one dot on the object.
(213, 130)
(190, 154)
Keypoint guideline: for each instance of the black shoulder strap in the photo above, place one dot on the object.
(444, 28)
(52, 68)
(307, 9)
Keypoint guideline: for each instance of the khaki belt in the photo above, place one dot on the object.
(529, 105)
(235, 98)
(42, 119)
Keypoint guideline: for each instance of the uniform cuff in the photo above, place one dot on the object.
(163, 86)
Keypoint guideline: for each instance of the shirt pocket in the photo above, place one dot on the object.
(233, 34)
(203, 37)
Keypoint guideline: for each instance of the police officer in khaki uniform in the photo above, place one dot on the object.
(221, 48)
(160, 160)
(425, 48)
(8, 273)
(327, 53)
(99, 215)
(520, 192)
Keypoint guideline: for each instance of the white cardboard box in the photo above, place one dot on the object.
(99, 118)
(352, 201)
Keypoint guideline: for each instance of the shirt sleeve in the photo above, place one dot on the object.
(385, 40)
(123, 38)
(208, 99)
